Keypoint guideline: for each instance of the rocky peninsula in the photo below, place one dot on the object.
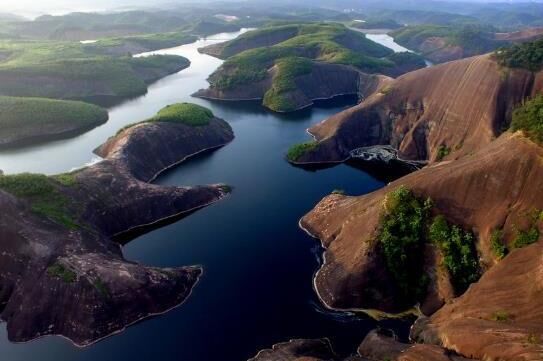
(62, 272)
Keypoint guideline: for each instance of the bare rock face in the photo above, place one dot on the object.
(298, 350)
(74, 282)
(492, 189)
(377, 346)
(458, 107)
(499, 317)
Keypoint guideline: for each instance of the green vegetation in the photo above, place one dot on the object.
(497, 244)
(442, 152)
(529, 119)
(297, 151)
(459, 255)
(401, 234)
(58, 270)
(30, 117)
(326, 42)
(533, 339)
(500, 316)
(43, 195)
(225, 188)
(287, 69)
(526, 238)
(473, 39)
(65, 70)
(404, 229)
(376, 23)
(185, 113)
(340, 192)
(101, 287)
(526, 55)
(149, 42)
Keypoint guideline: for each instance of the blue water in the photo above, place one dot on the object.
(258, 265)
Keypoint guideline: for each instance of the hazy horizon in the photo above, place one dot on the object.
(29, 8)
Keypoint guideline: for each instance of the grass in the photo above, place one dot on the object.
(43, 195)
(297, 151)
(287, 69)
(184, 113)
(529, 119)
(326, 42)
(501, 316)
(26, 117)
(58, 270)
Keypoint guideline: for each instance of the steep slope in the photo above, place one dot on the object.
(290, 66)
(493, 189)
(448, 110)
(62, 273)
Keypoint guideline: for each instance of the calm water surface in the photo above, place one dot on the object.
(258, 265)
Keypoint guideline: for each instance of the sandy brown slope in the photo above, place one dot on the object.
(494, 188)
(461, 106)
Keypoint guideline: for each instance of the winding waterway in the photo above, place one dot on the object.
(258, 265)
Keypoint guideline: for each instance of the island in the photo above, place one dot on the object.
(30, 120)
(289, 67)
(62, 270)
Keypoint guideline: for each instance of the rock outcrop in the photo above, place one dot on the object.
(442, 112)
(74, 281)
(491, 189)
(376, 347)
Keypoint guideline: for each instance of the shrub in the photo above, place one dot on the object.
(497, 244)
(297, 151)
(43, 196)
(58, 270)
(339, 192)
(527, 55)
(402, 234)
(526, 238)
(459, 255)
(529, 119)
(442, 152)
(501, 316)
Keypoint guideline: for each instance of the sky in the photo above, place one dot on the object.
(33, 8)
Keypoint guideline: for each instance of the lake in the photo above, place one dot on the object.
(258, 265)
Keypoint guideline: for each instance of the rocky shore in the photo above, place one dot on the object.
(61, 272)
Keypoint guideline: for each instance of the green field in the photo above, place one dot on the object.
(33, 117)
